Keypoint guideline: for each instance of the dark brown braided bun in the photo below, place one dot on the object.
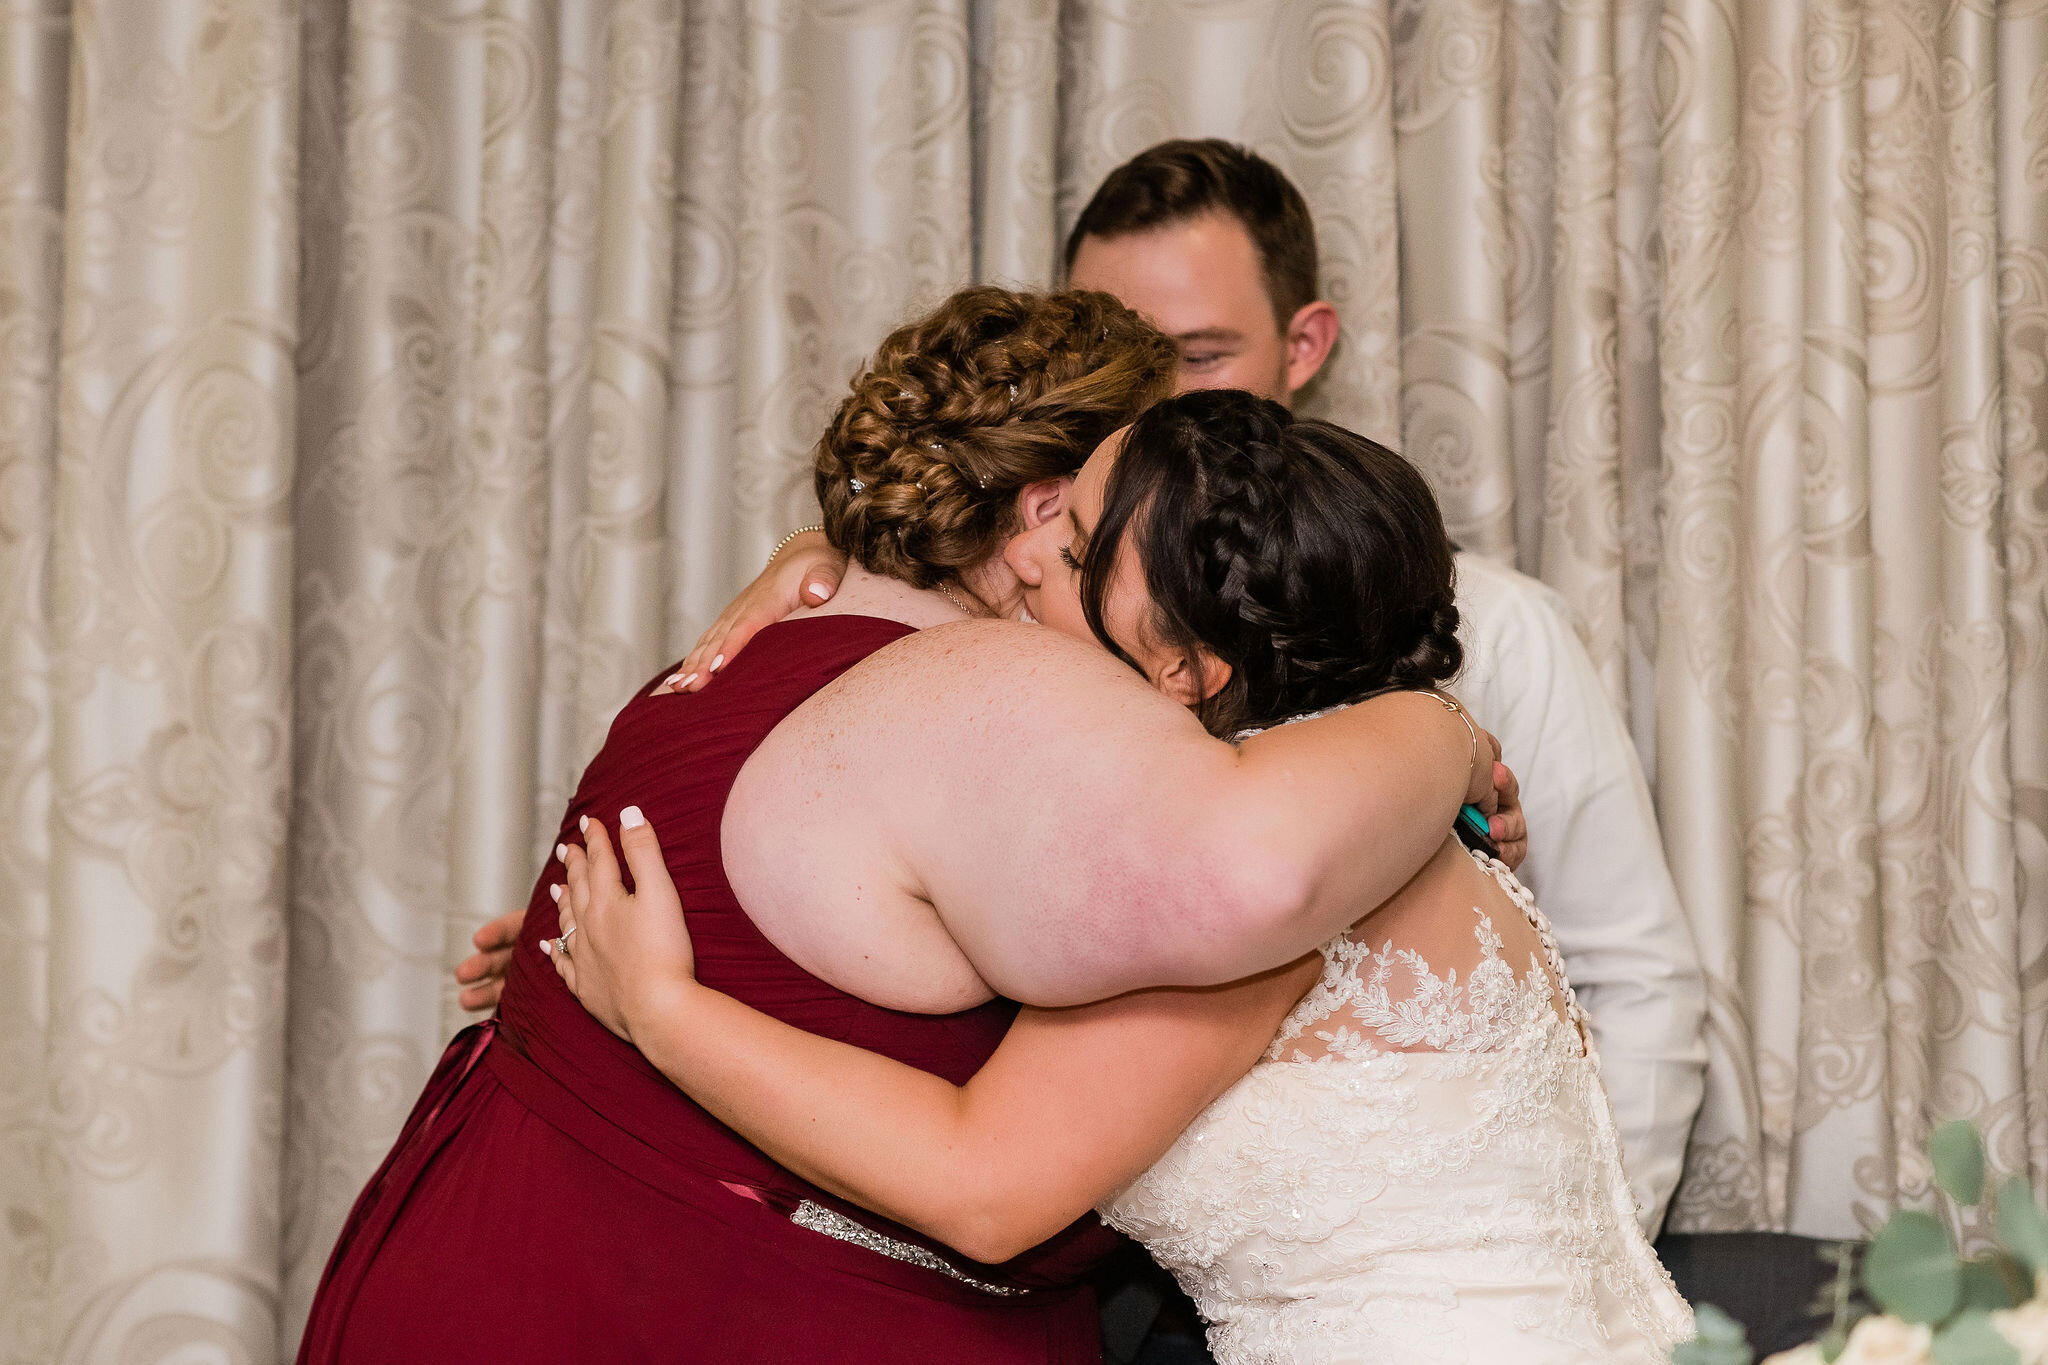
(992, 390)
(1311, 560)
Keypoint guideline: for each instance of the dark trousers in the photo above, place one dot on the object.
(1767, 1281)
(1146, 1320)
(1770, 1282)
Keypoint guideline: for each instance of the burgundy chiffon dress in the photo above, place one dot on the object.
(553, 1198)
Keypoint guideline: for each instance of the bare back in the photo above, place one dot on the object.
(911, 770)
(990, 806)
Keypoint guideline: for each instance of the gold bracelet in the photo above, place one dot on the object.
(783, 543)
(1452, 705)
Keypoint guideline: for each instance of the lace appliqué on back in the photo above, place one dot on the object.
(1358, 994)
(1422, 1167)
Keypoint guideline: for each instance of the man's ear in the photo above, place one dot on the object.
(1189, 685)
(1310, 334)
(1038, 503)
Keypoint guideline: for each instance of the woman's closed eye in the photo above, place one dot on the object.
(1067, 558)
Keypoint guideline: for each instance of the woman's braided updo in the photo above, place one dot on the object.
(1311, 560)
(995, 389)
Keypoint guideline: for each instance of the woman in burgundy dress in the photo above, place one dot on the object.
(553, 1197)
(543, 1143)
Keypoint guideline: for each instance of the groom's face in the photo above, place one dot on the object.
(1200, 282)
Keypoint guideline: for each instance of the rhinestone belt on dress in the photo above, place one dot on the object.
(818, 1218)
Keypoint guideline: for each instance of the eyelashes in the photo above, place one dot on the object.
(1067, 558)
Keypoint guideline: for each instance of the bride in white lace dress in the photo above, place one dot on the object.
(1421, 1167)
(1421, 1164)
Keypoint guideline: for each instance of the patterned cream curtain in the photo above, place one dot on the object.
(148, 318)
(1853, 206)
(386, 388)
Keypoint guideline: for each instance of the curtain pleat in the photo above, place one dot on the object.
(2020, 143)
(35, 43)
(1016, 129)
(152, 691)
(1835, 722)
(400, 496)
(1578, 486)
(387, 389)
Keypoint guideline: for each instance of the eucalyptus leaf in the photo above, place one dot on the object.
(1985, 1285)
(1957, 1151)
(1711, 1353)
(1910, 1270)
(2022, 1226)
(1721, 1341)
(1972, 1340)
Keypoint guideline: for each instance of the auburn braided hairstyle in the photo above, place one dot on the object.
(1309, 559)
(994, 389)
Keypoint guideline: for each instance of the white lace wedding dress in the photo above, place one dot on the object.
(1418, 1170)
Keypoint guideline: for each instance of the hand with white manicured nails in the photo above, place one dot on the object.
(631, 951)
(805, 572)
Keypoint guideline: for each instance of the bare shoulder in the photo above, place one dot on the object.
(953, 768)
(938, 717)
(970, 661)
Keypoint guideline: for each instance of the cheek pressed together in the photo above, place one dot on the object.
(1047, 559)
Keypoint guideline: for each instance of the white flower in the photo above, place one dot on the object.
(1881, 1340)
(2026, 1327)
(1809, 1354)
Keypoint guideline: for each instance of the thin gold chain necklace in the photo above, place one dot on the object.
(954, 598)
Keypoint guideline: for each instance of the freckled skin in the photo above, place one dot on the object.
(1013, 774)
(1083, 833)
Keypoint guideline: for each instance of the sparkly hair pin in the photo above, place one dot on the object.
(856, 485)
(939, 448)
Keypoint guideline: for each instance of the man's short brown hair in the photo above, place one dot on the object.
(1186, 178)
